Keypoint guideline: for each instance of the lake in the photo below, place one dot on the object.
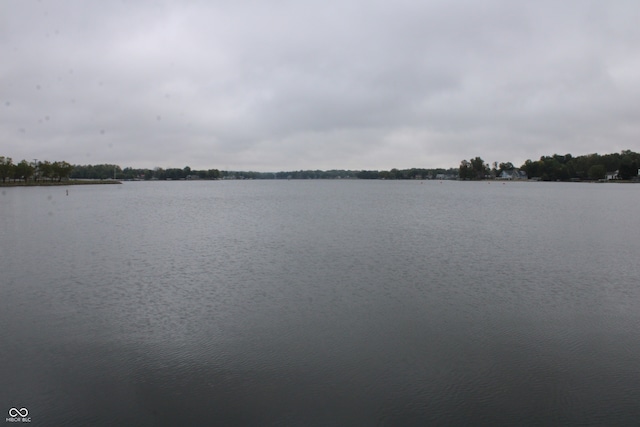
(338, 302)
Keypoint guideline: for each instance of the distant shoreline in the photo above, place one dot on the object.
(111, 181)
(58, 183)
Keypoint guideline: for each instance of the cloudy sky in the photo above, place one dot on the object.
(331, 84)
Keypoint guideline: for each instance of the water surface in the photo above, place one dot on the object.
(321, 303)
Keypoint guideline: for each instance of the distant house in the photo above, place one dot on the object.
(611, 175)
(513, 174)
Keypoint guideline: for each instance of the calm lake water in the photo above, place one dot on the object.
(321, 303)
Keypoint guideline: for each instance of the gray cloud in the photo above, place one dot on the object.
(291, 85)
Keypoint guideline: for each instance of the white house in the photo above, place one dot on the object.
(513, 174)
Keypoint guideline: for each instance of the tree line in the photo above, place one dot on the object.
(34, 171)
(413, 173)
(624, 166)
(110, 171)
(107, 171)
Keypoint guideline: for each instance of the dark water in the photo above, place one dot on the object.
(321, 303)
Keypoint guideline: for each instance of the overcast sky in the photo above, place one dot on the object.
(319, 84)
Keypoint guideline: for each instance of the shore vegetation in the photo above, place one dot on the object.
(623, 166)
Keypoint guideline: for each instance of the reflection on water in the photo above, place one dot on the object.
(321, 303)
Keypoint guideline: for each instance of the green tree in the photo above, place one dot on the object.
(159, 173)
(46, 170)
(628, 168)
(479, 168)
(61, 170)
(597, 172)
(531, 168)
(465, 170)
(6, 168)
(23, 170)
(365, 174)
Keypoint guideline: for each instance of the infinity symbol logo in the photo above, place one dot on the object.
(23, 412)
